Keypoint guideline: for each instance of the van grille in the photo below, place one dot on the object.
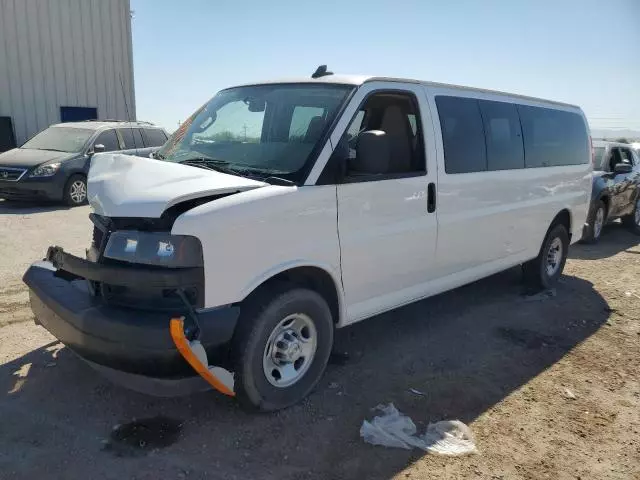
(11, 174)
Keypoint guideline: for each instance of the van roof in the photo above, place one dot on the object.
(358, 80)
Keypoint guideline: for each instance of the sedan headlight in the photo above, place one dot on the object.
(155, 248)
(46, 170)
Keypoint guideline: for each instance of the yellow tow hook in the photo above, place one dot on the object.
(189, 346)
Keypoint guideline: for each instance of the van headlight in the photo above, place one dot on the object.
(155, 248)
(46, 170)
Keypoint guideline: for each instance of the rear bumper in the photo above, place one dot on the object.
(119, 338)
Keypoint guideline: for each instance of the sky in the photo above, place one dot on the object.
(584, 52)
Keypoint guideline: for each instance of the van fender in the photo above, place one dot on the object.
(276, 270)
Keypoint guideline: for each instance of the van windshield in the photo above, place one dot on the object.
(263, 130)
(60, 139)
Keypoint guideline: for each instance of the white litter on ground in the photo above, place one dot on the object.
(393, 429)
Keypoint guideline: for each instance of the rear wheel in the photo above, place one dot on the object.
(281, 346)
(75, 191)
(632, 222)
(595, 223)
(545, 270)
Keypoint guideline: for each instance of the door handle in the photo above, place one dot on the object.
(431, 197)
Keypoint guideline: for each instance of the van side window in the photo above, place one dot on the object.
(154, 137)
(503, 135)
(396, 114)
(462, 134)
(131, 137)
(553, 137)
(109, 139)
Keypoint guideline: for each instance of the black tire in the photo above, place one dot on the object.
(591, 233)
(69, 196)
(535, 271)
(260, 315)
(632, 222)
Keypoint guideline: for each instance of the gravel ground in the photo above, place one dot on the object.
(501, 362)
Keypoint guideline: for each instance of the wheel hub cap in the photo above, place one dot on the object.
(554, 257)
(290, 350)
(78, 191)
(599, 223)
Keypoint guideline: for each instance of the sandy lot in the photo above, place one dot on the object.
(485, 354)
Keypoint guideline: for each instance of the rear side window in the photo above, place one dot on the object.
(109, 139)
(154, 137)
(553, 137)
(462, 134)
(503, 135)
(131, 137)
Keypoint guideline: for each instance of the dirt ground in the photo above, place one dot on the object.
(504, 363)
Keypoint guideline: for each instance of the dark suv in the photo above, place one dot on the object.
(616, 188)
(53, 165)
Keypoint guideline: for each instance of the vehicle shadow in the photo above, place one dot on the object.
(12, 207)
(615, 239)
(465, 350)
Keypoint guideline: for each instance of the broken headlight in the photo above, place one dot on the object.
(154, 248)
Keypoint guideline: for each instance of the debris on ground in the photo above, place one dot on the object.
(417, 392)
(393, 429)
(569, 394)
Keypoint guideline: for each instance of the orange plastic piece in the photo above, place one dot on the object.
(182, 344)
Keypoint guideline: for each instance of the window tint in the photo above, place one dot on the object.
(131, 137)
(154, 137)
(391, 113)
(462, 135)
(503, 135)
(307, 123)
(553, 137)
(109, 140)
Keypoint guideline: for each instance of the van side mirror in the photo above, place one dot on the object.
(623, 168)
(373, 153)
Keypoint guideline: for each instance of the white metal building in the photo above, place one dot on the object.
(63, 60)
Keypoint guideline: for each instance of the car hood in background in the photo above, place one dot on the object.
(26, 157)
(127, 186)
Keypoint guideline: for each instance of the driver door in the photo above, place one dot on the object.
(386, 221)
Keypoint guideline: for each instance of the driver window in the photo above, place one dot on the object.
(397, 115)
(626, 156)
(109, 139)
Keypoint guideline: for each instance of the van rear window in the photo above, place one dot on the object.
(553, 137)
(481, 135)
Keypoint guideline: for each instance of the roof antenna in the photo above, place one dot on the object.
(321, 71)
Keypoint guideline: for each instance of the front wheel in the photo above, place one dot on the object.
(632, 222)
(75, 191)
(545, 270)
(281, 347)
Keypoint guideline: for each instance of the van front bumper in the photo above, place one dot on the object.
(122, 339)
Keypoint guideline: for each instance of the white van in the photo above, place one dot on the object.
(281, 211)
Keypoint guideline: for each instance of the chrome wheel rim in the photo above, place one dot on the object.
(554, 257)
(78, 191)
(637, 213)
(598, 223)
(290, 350)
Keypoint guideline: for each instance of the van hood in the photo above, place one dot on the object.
(29, 157)
(127, 186)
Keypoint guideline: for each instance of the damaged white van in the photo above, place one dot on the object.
(281, 211)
